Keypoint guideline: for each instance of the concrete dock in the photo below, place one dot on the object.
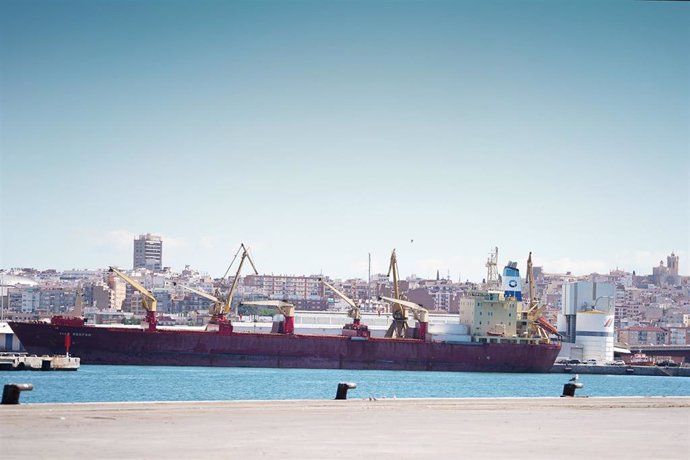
(517, 428)
(620, 370)
(24, 362)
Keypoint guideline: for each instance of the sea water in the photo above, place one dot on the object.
(92, 383)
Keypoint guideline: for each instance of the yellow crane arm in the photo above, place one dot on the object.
(217, 303)
(355, 312)
(245, 255)
(203, 294)
(149, 301)
(420, 313)
(393, 268)
(284, 308)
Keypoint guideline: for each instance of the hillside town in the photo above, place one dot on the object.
(648, 309)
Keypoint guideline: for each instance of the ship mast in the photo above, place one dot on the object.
(530, 281)
(492, 270)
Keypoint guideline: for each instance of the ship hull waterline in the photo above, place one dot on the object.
(126, 346)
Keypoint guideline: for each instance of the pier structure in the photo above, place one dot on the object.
(24, 362)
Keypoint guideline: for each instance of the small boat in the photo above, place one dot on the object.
(640, 359)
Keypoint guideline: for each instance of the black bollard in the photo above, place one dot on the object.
(11, 391)
(569, 389)
(342, 389)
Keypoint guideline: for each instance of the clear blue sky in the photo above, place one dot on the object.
(320, 131)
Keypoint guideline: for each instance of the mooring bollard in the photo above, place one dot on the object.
(342, 389)
(570, 387)
(11, 391)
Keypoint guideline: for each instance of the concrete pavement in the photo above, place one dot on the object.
(405, 428)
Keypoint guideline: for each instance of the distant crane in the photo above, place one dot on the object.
(221, 308)
(356, 327)
(399, 324)
(419, 313)
(400, 306)
(286, 309)
(536, 323)
(148, 301)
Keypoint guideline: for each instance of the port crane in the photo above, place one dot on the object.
(356, 328)
(286, 309)
(221, 308)
(216, 306)
(399, 324)
(419, 313)
(228, 300)
(148, 301)
(536, 324)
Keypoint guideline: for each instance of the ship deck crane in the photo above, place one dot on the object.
(536, 323)
(148, 301)
(399, 324)
(419, 313)
(219, 309)
(284, 308)
(356, 327)
(216, 306)
(222, 314)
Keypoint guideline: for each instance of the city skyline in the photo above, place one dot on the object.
(663, 262)
(320, 132)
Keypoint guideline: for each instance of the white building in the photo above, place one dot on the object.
(8, 341)
(587, 319)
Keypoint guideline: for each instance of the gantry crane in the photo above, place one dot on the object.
(286, 309)
(356, 328)
(148, 301)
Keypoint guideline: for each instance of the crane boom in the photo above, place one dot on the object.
(284, 308)
(356, 328)
(393, 267)
(217, 303)
(245, 255)
(399, 324)
(536, 323)
(347, 300)
(148, 301)
(203, 294)
(420, 313)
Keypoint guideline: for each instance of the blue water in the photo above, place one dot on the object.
(137, 383)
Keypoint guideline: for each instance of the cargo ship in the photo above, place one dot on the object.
(503, 338)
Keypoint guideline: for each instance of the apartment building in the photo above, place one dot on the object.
(643, 335)
(148, 252)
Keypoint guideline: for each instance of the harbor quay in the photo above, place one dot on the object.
(626, 427)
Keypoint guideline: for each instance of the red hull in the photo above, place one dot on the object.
(98, 345)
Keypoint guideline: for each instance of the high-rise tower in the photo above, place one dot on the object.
(148, 252)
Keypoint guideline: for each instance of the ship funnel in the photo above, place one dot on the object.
(512, 284)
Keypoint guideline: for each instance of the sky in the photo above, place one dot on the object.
(319, 132)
